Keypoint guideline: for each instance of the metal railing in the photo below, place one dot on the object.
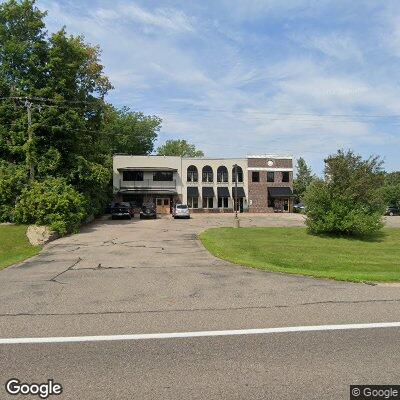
(147, 183)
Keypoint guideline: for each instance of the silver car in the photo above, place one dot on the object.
(180, 211)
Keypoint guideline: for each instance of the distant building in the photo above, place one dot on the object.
(265, 182)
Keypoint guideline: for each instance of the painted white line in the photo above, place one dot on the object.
(174, 335)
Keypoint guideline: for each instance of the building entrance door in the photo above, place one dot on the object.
(163, 205)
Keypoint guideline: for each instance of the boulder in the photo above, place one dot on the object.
(40, 234)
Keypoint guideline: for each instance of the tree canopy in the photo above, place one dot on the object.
(179, 148)
(54, 121)
(348, 200)
(304, 177)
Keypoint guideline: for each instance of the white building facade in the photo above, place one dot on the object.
(205, 184)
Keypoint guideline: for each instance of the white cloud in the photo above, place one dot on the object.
(335, 45)
(168, 19)
(232, 96)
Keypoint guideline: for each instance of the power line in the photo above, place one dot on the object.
(24, 98)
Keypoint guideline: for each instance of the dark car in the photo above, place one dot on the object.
(148, 211)
(121, 210)
(392, 210)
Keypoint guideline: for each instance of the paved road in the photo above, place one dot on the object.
(124, 277)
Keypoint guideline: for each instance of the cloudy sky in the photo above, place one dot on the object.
(240, 77)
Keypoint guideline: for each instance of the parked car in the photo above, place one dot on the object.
(130, 206)
(148, 211)
(180, 211)
(122, 210)
(392, 210)
(300, 207)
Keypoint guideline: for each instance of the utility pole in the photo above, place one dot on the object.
(28, 106)
(236, 221)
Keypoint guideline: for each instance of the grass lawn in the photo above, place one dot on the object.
(14, 245)
(294, 251)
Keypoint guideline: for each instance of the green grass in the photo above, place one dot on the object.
(14, 245)
(294, 251)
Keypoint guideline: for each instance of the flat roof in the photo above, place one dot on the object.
(282, 157)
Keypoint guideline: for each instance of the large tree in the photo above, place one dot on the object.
(348, 200)
(54, 122)
(179, 148)
(130, 132)
(304, 177)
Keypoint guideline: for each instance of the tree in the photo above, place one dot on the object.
(73, 133)
(130, 132)
(391, 189)
(304, 177)
(179, 148)
(348, 200)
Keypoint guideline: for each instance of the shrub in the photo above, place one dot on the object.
(348, 200)
(13, 179)
(51, 202)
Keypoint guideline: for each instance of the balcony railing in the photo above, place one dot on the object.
(147, 184)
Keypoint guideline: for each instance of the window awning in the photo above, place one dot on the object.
(240, 192)
(223, 191)
(148, 191)
(147, 169)
(275, 192)
(207, 191)
(192, 191)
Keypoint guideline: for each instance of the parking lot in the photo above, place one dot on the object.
(148, 276)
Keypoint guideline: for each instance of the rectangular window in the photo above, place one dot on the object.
(222, 177)
(132, 175)
(222, 202)
(208, 202)
(270, 176)
(207, 176)
(159, 176)
(192, 176)
(255, 176)
(239, 175)
(193, 202)
(285, 176)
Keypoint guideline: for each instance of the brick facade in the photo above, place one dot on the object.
(258, 191)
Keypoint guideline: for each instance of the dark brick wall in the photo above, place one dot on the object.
(258, 191)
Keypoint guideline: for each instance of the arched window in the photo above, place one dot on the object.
(222, 174)
(192, 174)
(207, 174)
(239, 174)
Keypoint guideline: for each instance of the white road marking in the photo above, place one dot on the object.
(175, 335)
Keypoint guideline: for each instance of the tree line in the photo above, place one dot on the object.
(57, 132)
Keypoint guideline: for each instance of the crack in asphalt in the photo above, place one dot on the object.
(70, 268)
(200, 309)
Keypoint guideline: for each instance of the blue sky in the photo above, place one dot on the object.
(253, 76)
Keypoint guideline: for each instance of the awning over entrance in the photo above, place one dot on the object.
(207, 191)
(192, 191)
(240, 192)
(147, 169)
(223, 192)
(148, 191)
(275, 192)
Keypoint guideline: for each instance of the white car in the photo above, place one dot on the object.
(180, 211)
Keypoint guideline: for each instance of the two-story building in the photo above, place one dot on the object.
(264, 182)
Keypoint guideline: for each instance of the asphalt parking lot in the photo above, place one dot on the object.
(149, 276)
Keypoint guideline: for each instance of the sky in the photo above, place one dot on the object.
(241, 77)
